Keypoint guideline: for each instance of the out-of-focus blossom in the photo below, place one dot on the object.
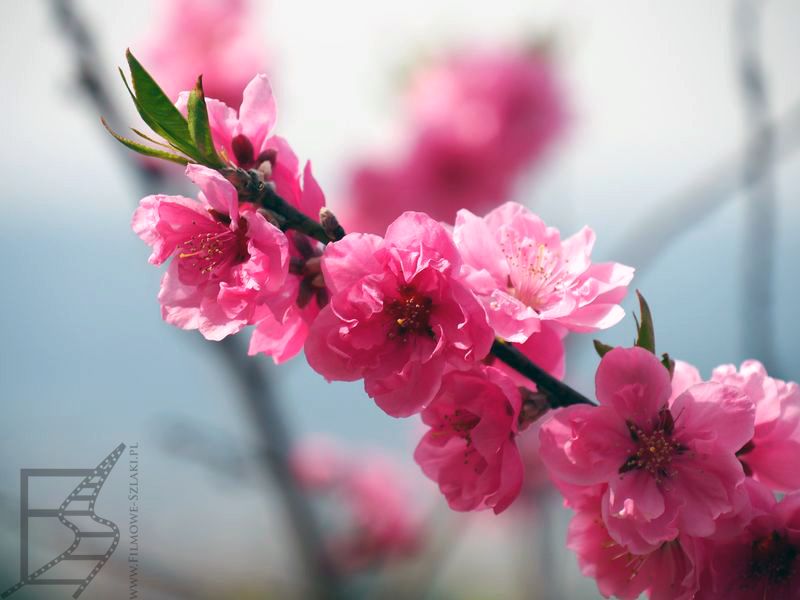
(763, 561)
(478, 120)
(399, 314)
(525, 274)
(771, 456)
(215, 38)
(670, 467)
(377, 516)
(502, 103)
(667, 573)
(470, 449)
(229, 258)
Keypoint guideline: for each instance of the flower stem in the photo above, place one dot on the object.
(558, 393)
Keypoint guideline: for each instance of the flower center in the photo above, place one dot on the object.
(410, 313)
(205, 254)
(655, 448)
(535, 272)
(772, 558)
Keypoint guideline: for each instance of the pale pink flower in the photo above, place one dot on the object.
(228, 258)
(318, 463)
(246, 138)
(470, 450)
(525, 274)
(399, 314)
(214, 38)
(771, 456)
(763, 561)
(670, 466)
(667, 573)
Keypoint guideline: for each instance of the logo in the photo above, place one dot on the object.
(76, 513)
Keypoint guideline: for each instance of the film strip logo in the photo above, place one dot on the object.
(78, 504)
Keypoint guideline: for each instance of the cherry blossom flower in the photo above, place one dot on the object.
(228, 258)
(470, 449)
(525, 274)
(763, 561)
(670, 466)
(667, 573)
(399, 315)
(213, 37)
(771, 456)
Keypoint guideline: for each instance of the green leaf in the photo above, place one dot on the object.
(645, 332)
(199, 128)
(601, 348)
(668, 363)
(157, 110)
(146, 150)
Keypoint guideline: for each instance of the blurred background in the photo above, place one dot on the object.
(673, 136)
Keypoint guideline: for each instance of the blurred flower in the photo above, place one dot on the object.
(670, 467)
(214, 38)
(763, 561)
(478, 120)
(470, 449)
(399, 314)
(229, 257)
(376, 513)
(525, 274)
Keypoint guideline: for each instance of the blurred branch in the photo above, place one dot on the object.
(758, 326)
(257, 394)
(677, 214)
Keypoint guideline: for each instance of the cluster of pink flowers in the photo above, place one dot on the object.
(377, 517)
(413, 313)
(232, 267)
(672, 480)
(479, 118)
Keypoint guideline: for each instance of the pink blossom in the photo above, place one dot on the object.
(229, 259)
(399, 314)
(525, 274)
(771, 456)
(504, 103)
(213, 37)
(667, 573)
(376, 516)
(470, 450)
(247, 139)
(670, 465)
(763, 561)
(479, 119)
(545, 349)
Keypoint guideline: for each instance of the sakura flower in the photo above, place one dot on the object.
(470, 449)
(213, 37)
(771, 456)
(668, 572)
(763, 561)
(399, 315)
(228, 258)
(670, 464)
(525, 274)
